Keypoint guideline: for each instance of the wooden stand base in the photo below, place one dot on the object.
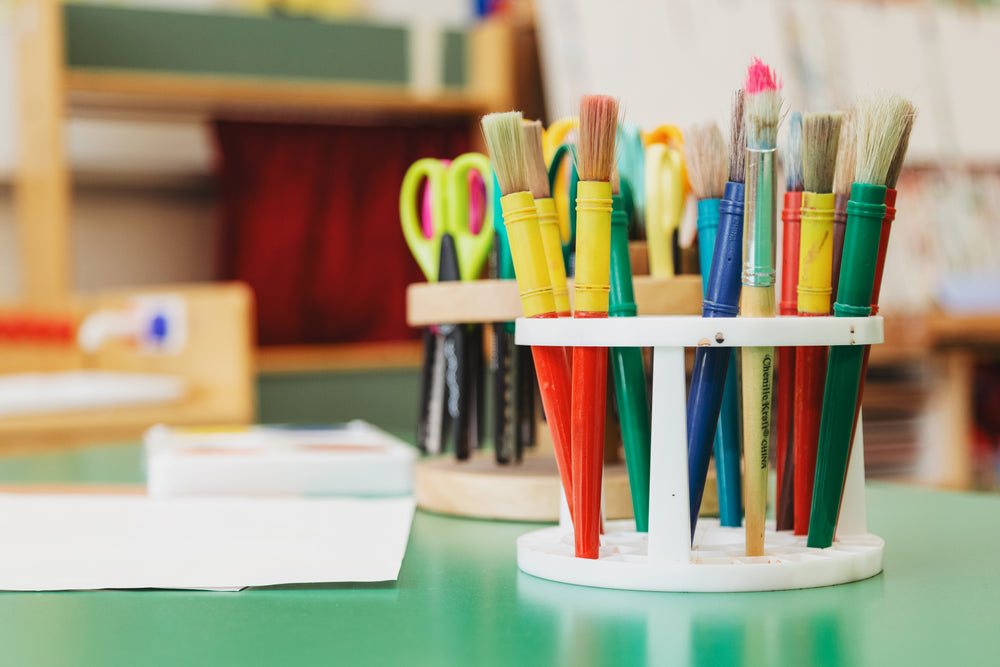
(479, 488)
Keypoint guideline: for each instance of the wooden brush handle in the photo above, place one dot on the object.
(757, 366)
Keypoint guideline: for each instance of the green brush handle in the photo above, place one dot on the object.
(865, 212)
(628, 371)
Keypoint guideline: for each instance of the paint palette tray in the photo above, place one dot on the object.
(665, 559)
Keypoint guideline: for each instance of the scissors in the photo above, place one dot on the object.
(567, 226)
(451, 381)
(664, 186)
(477, 200)
(450, 194)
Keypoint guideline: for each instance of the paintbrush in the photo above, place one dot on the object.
(843, 177)
(713, 379)
(505, 141)
(763, 111)
(819, 153)
(785, 389)
(879, 123)
(595, 159)
(891, 178)
(627, 369)
(548, 221)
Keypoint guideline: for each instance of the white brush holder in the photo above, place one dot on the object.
(665, 559)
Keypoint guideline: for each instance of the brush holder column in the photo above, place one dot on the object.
(665, 559)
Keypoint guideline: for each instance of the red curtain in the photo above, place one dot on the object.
(310, 219)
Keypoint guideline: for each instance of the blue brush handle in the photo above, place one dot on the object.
(722, 294)
(727, 433)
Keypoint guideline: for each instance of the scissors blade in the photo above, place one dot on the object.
(474, 365)
(503, 392)
(426, 381)
(435, 404)
(456, 395)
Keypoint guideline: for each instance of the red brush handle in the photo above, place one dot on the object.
(783, 409)
(791, 216)
(810, 375)
(553, 372)
(590, 368)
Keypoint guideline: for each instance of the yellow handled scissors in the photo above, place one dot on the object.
(449, 214)
(664, 206)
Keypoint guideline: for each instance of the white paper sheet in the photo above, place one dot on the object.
(81, 542)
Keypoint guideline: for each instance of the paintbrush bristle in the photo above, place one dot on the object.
(820, 137)
(879, 125)
(505, 142)
(762, 106)
(892, 177)
(616, 182)
(705, 155)
(598, 132)
(534, 155)
(793, 154)
(843, 174)
(737, 140)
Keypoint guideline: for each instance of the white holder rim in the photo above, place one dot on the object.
(716, 564)
(694, 331)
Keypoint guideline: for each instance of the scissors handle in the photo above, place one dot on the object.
(473, 249)
(555, 135)
(661, 177)
(425, 250)
(561, 153)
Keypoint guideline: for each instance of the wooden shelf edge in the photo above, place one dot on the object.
(117, 90)
(498, 301)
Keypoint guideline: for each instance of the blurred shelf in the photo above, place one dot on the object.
(969, 330)
(351, 357)
(101, 59)
(168, 94)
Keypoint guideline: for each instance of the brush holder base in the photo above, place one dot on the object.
(664, 559)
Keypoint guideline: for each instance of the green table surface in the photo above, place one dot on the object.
(460, 600)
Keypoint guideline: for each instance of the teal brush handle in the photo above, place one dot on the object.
(505, 263)
(865, 212)
(728, 474)
(627, 369)
(726, 446)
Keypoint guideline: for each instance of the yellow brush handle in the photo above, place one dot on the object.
(756, 383)
(816, 253)
(548, 224)
(520, 217)
(593, 247)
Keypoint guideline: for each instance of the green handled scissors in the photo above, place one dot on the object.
(450, 213)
